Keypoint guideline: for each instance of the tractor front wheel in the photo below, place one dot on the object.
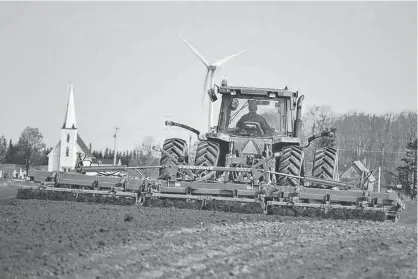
(175, 147)
(207, 154)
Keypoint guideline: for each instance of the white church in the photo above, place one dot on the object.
(63, 156)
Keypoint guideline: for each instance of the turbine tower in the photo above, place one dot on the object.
(210, 74)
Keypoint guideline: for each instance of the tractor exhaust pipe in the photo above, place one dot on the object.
(171, 123)
(298, 121)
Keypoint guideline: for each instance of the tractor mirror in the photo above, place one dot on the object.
(212, 95)
(293, 103)
(294, 99)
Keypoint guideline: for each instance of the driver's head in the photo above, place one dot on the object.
(252, 105)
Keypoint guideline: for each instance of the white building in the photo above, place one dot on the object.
(63, 156)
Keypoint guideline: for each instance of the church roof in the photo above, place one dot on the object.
(69, 121)
(83, 146)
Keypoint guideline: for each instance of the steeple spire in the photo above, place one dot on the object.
(69, 122)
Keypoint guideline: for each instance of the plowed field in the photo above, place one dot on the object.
(52, 239)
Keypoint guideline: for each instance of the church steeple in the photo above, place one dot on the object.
(69, 122)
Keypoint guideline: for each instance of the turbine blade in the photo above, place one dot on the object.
(200, 56)
(222, 61)
(212, 80)
(204, 87)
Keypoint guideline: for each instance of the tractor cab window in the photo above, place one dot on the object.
(256, 117)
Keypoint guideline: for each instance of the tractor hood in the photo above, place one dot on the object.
(247, 145)
(273, 140)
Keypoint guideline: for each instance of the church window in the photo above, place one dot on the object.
(67, 152)
(68, 137)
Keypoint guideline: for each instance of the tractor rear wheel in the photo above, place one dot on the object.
(325, 164)
(207, 154)
(290, 162)
(175, 147)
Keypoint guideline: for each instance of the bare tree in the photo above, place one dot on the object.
(145, 154)
(30, 145)
(147, 143)
(319, 118)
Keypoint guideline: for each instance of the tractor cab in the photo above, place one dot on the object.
(256, 112)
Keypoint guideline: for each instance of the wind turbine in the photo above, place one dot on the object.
(210, 74)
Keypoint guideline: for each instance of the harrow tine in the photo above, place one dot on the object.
(209, 175)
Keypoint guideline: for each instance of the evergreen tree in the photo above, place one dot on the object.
(44, 156)
(407, 172)
(3, 149)
(12, 155)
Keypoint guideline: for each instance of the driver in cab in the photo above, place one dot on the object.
(252, 116)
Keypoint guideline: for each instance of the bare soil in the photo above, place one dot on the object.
(55, 239)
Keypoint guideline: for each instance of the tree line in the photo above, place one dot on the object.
(30, 150)
(141, 155)
(388, 141)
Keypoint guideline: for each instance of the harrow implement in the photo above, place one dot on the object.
(190, 191)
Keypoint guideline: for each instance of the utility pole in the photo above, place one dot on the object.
(114, 155)
(190, 143)
(378, 181)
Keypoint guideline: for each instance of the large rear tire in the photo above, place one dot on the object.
(290, 162)
(175, 147)
(207, 154)
(325, 164)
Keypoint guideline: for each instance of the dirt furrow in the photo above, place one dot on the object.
(248, 249)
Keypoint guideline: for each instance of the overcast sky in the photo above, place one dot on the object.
(131, 69)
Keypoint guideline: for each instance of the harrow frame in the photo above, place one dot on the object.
(269, 197)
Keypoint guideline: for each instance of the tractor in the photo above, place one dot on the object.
(255, 125)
